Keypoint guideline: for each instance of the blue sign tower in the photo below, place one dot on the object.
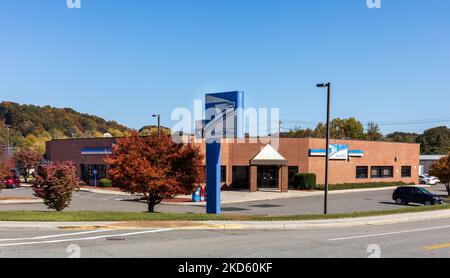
(223, 120)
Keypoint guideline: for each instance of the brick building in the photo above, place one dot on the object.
(256, 166)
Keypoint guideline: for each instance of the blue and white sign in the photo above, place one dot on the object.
(223, 113)
(337, 152)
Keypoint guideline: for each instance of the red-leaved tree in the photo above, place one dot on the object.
(156, 167)
(26, 160)
(55, 183)
(5, 171)
(441, 169)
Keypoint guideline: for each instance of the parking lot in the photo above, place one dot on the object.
(338, 203)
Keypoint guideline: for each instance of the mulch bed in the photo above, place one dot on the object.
(116, 189)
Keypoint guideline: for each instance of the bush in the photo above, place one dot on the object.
(105, 183)
(55, 183)
(305, 181)
(346, 186)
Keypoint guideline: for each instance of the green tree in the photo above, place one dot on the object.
(341, 129)
(298, 132)
(402, 137)
(153, 130)
(435, 141)
(373, 132)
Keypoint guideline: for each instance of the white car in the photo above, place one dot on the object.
(427, 179)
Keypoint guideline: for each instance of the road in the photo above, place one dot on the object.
(426, 239)
(338, 203)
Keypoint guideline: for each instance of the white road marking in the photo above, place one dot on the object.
(391, 233)
(84, 239)
(53, 236)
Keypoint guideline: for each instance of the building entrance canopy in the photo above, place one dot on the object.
(269, 156)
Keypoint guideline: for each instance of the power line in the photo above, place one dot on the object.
(387, 123)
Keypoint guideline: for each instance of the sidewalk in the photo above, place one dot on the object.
(232, 225)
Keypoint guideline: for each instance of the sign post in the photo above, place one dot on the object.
(223, 120)
(213, 178)
(95, 178)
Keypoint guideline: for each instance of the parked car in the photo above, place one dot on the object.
(427, 179)
(410, 194)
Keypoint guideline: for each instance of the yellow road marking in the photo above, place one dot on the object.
(436, 247)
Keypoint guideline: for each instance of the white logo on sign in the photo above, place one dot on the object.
(73, 4)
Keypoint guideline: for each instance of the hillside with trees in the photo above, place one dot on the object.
(32, 125)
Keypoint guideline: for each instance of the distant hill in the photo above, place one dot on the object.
(33, 125)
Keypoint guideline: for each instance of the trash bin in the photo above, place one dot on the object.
(202, 194)
(196, 195)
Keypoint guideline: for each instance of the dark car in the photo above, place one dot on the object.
(410, 194)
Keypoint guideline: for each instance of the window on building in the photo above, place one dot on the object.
(240, 177)
(382, 172)
(406, 171)
(292, 170)
(223, 173)
(362, 172)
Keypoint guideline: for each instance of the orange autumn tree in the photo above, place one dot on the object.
(155, 166)
(441, 169)
(5, 171)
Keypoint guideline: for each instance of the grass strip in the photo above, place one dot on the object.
(91, 216)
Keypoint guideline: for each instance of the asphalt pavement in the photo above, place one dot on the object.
(426, 239)
(338, 203)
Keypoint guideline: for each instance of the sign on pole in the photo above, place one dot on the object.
(223, 113)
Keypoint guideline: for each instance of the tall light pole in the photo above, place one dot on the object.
(8, 127)
(327, 147)
(159, 122)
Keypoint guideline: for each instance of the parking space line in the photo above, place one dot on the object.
(390, 233)
(84, 239)
(54, 236)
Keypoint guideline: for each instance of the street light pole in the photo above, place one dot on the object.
(159, 123)
(7, 139)
(327, 147)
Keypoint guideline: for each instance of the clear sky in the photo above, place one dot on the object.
(127, 59)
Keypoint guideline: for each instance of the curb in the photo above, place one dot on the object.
(20, 202)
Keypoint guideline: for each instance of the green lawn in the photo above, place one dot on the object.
(90, 216)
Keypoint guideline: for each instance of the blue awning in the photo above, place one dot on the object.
(97, 151)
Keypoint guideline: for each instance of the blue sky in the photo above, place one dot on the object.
(125, 60)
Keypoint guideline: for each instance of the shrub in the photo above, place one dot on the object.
(346, 186)
(305, 181)
(105, 183)
(55, 183)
